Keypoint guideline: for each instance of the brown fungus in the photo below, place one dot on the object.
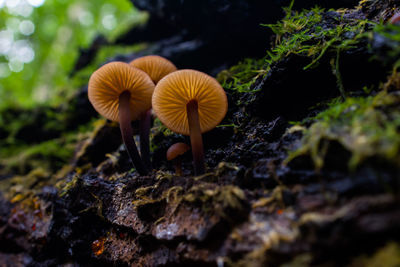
(174, 153)
(190, 102)
(122, 93)
(395, 19)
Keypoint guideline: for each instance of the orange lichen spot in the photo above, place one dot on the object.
(14, 210)
(107, 84)
(36, 203)
(155, 66)
(176, 90)
(122, 235)
(38, 213)
(98, 246)
(17, 198)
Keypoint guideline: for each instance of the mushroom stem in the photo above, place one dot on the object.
(178, 166)
(145, 124)
(196, 139)
(127, 132)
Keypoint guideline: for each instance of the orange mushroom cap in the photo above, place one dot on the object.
(395, 19)
(109, 81)
(175, 90)
(155, 66)
(176, 150)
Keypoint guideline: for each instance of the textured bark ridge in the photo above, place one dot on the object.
(296, 175)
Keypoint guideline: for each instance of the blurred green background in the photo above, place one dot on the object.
(40, 42)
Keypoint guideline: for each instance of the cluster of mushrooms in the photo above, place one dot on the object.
(188, 102)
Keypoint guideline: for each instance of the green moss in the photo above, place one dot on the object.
(49, 155)
(391, 34)
(209, 198)
(158, 127)
(367, 127)
(305, 34)
(220, 200)
(19, 157)
(64, 186)
(363, 126)
(240, 77)
(159, 131)
(388, 256)
(294, 22)
(18, 187)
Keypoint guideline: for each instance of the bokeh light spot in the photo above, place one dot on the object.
(21, 51)
(26, 27)
(26, 54)
(86, 18)
(36, 3)
(23, 9)
(15, 65)
(13, 24)
(6, 41)
(12, 3)
(4, 70)
(109, 22)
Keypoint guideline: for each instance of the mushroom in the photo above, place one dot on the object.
(174, 153)
(156, 67)
(395, 19)
(190, 102)
(122, 93)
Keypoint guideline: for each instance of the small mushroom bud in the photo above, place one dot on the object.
(174, 153)
(395, 19)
